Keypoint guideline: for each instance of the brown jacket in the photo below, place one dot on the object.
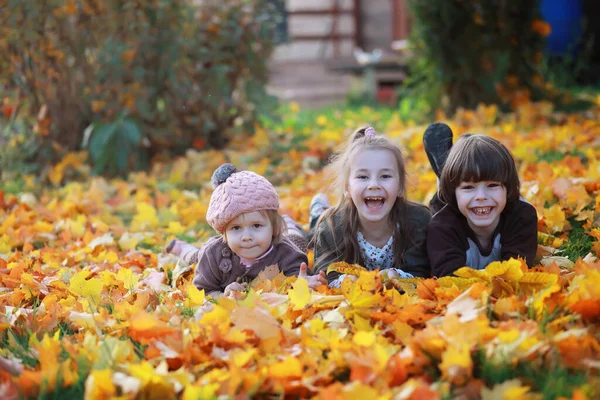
(218, 266)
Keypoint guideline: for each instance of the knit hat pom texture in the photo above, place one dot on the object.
(238, 193)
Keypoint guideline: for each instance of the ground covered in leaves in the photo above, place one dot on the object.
(90, 307)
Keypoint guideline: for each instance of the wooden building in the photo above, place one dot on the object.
(322, 36)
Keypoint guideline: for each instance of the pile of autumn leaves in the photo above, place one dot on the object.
(89, 305)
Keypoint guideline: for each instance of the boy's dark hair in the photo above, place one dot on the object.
(476, 158)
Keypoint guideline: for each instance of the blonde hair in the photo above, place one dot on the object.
(277, 222)
(476, 158)
(343, 217)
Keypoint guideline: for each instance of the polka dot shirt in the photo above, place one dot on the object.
(375, 257)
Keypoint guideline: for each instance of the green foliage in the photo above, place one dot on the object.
(552, 380)
(554, 156)
(18, 344)
(579, 243)
(18, 147)
(188, 73)
(111, 145)
(72, 392)
(472, 52)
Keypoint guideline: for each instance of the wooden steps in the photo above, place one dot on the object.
(308, 83)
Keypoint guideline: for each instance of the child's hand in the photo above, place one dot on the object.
(390, 273)
(313, 280)
(235, 290)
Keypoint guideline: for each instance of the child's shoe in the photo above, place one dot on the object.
(437, 141)
(183, 250)
(318, 205)
(296, 234)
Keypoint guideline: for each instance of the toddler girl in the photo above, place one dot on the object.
(243, 209)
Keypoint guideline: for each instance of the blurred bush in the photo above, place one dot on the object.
(133, 79)
(471, 52)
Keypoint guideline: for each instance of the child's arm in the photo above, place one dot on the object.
(415, 260)
(519, 236)
(207, 275)
(323, 254)
(445, 248)
(289, 257)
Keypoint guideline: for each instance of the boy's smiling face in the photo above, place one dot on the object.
(249, 235)
(482, 204)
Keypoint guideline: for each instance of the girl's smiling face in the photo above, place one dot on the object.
(374, 184)
(482, 204)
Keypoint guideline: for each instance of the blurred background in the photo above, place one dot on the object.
(317, 64)
(120, 84)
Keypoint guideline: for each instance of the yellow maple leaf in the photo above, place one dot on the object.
(175, 228)
(156, 382)
(194, 297)
(288, 368)
(91, 288)
(49, 348)
(364, 291)
(554, 218)
(299, 294)
(204, 391)
(239, 358)
(510, 270)
(459, 283)
(457, 365)
(539, 299)
(532, 282)
(56, 174)
(129, 241)
(343, 267)
(99, 385)
(549, 240)
(128, 278)
(364, 338)
(466, 272)
(77, 226)
(145, 218)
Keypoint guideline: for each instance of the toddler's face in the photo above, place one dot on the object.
(249, 235)
(481, 203)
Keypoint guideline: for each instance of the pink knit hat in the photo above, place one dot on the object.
(236, 193)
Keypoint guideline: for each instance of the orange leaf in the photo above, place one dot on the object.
(343, 267)
(587, 308)
(143, 327)
(426, 289)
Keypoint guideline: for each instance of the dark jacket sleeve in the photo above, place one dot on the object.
(519, 237)
(290, 257)
(445, 244)
(415, 260)
(208, 276)
(323, 255)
